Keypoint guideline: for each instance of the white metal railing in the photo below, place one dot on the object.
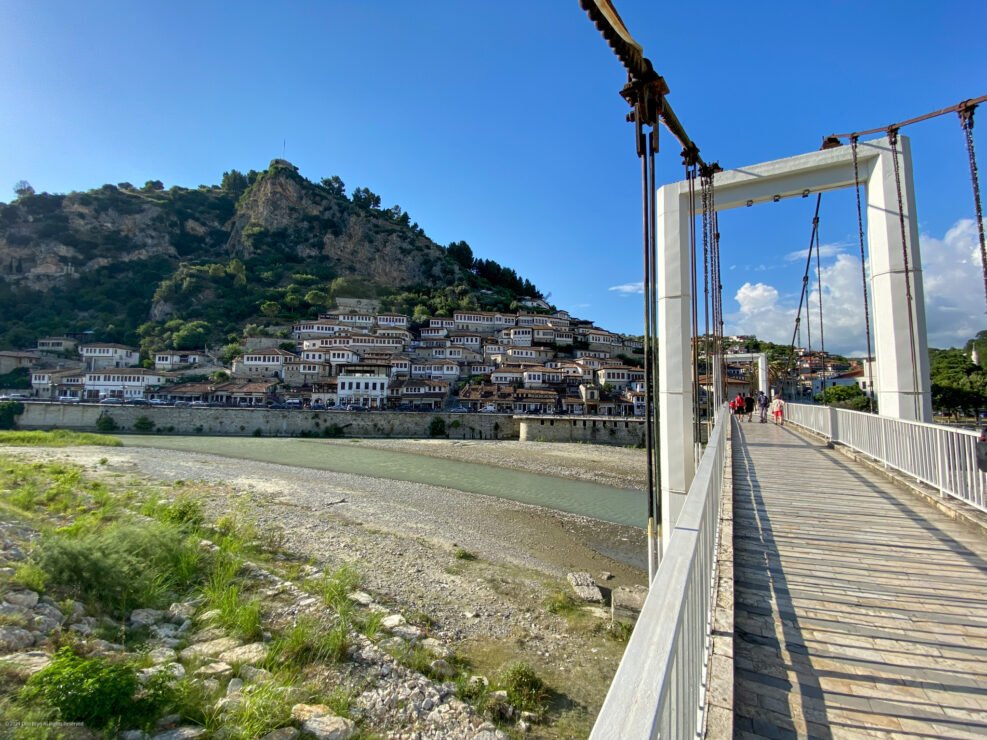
(939, 456)
(659, 687)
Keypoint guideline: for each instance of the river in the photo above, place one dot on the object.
(617, 505)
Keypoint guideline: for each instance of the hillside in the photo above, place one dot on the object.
(179, 267)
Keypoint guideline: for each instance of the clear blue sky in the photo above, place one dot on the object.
(506, 130)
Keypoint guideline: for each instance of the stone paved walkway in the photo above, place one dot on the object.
(860, 610)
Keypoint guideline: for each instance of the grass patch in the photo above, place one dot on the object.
(461, 554)
(334, 587)
(57, 438)
(561, 602)
(237, 613)
(120, 567)
(309, 640)
(262, 708)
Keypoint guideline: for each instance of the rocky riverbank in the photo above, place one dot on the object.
(479, 573)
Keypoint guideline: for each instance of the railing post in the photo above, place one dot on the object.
(834, 427)
(941, 463)
(884, 442)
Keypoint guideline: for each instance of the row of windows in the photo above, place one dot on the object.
(119, 379)
(357, 385)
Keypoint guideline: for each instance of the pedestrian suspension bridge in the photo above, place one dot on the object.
(824, 577)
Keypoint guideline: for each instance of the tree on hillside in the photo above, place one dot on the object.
(462, 253)
(334, 185)
(23, 188)
(957, 384)
(366, 198)
(235, 183)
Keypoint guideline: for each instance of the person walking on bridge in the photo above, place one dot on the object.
(778, 410)
(762, 406)
(749, 407)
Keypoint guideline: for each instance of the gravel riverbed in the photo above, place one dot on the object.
(408, 540)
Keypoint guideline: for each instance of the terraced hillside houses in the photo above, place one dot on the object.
(355, 355)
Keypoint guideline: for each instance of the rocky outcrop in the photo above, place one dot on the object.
(47, 239)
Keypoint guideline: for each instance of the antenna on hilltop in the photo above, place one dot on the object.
(284, 143)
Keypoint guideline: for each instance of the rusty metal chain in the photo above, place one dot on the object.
(966, 121)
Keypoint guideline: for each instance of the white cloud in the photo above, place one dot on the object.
(825, 251)
(953, 287)
(628, 289)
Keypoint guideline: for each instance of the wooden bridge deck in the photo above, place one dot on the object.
(860, 611)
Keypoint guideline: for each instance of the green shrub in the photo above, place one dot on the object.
(29, 575)
(461, 554)
(95, 691)
(9, 411)
(143, 425)
(525, 690)
(437, 427)
(122, 566)
(185, 511)
(106, 423)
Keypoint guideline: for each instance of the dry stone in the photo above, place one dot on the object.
(15, 638)
(282, 733)
(26, 664)
(392, 621)
(27, 599)
(329, 727)
(626, 603)
(255, 652)
(585, 587)
(210, 649)
(141, 617)
(361, 598)
(303, 712)
(215, 670)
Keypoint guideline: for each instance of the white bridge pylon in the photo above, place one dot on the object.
(903, 388)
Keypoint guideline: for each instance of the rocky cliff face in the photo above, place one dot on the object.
(46, 239)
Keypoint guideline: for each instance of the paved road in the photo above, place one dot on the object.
(860, 610)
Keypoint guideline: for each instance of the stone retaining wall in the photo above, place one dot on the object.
(267, 422)
(294, 422)
(623, 431)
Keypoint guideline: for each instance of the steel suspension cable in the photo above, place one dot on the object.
(863, 275)
(893, 139)
(655, 450)
(805, 282)
(691, 172)
(718, 321)
(646, 207)
(966, 121)
(822, 336)
(706, 347)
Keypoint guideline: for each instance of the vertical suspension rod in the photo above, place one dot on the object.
(656, 411)
(646, 205)
(863, 275)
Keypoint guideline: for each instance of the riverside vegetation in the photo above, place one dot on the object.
(128, 606)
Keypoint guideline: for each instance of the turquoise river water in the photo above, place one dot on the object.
(618, 505)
